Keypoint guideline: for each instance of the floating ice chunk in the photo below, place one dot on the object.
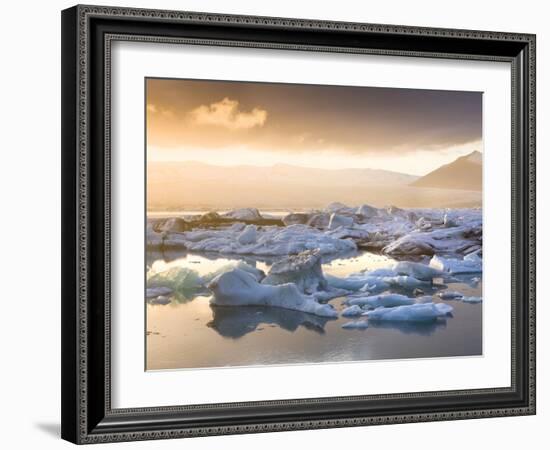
(337, 207)
(248, 235)
(161, 300)
(448, 222)
(350, 283)
(329, 294)
(450, 295)
(456, 266)
(239, 288)
(410, 244)
(383, 272)
(384, 300)
(244, 214)
(405, 282)
(319, 221)
(356, 325)
(420, 312)
(417, 270)
(175, 278)
(158, 291)
(372, 280)
(154, 238)
(303, 269)
(337, 220)
(270, 241)
(367, 211)
(352, 311)
(471, 299)
(256, 273)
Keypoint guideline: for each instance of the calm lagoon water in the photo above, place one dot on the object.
(189, 333)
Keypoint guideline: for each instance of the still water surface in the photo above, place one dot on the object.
(189, 333)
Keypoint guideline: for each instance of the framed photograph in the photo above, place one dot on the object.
(280, 224)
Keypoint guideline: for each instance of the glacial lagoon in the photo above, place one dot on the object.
(188, 331)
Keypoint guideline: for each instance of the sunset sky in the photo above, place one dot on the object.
(332, 127)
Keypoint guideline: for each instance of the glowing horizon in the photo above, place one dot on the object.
(226, 123)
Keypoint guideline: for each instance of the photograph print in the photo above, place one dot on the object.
(307, 224)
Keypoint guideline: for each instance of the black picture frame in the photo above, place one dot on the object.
(87, 415)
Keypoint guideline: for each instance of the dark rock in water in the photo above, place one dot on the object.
(373, 246)
(296, 219)
(303, 269)
(417, 292)
(211, 216)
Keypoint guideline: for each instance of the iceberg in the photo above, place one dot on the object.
(417, 270)
(367, 211)
(248, 235)
(450, 295)
(158, 291)
(303, 269)
(244, 214)
(319, 221)
(420, 312)
(337, 220)
(470, 264)
(442, 240)
(356, 325)
(352, 311)
(256, 273)
(377, 301)
(269, 241)
(175, 278)
(239, 288)
(161, 300)
(471, 299)
(405, 282)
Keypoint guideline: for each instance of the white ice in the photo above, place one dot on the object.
(270, 241)
(158, 291)
(239, 288)
(356, 325)
(243, 214)
(470, 264)
(450, 295)
(384, 300)
(417, 270)
(352, 311)
(303, 269)
(175, 278)
(420, 312)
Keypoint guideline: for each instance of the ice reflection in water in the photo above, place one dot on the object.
(235, 322)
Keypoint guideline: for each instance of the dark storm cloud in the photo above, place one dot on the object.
(283, 117)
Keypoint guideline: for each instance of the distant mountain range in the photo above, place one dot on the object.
(195, 185)
(463, 173)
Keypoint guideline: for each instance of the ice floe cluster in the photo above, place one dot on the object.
(336, 229)
(448, 242)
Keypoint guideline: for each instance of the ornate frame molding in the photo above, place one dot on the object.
(78, 425)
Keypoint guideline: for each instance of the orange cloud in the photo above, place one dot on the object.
(226, 113)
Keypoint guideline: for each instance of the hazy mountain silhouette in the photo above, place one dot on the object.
(197, 185)
(463, 173)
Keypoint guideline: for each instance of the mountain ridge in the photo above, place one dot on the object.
(464, 173)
